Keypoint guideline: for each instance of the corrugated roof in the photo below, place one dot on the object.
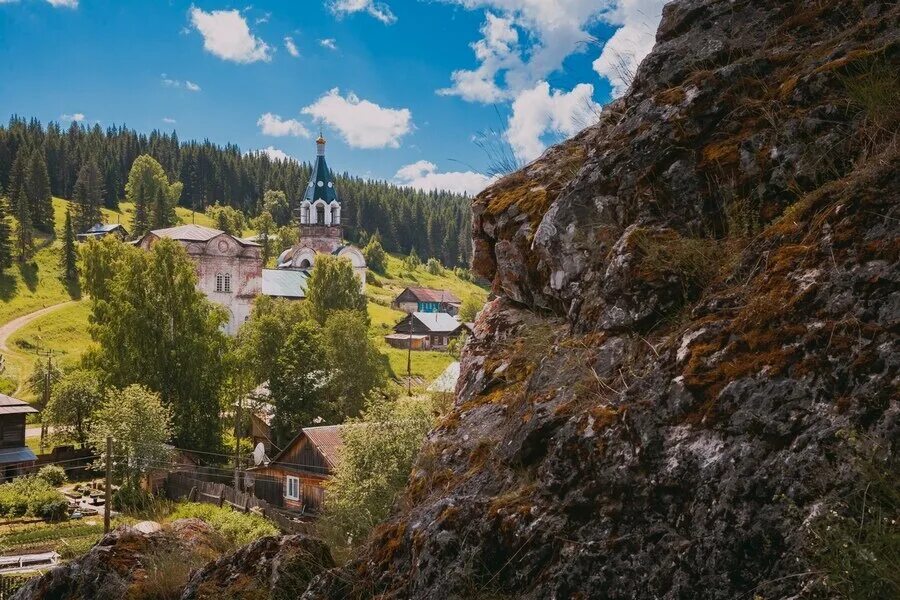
(284, 283)
(16, 455)
(188, 233)
(446, 381)
(196, 233)
(104, 227)
(437, 322)
(430, 295)
(328, 440)
(14, 406)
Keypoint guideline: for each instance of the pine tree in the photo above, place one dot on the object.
(70, 255)
(24, 228)
(88, 197)
(17, 178)
(5, 234)
(37, 188)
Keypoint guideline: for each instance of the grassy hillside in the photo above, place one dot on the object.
(39, 284)
(425, 364)
(26, 288)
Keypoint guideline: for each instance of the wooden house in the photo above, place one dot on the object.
(427, 300)
(15, 457)
(425, 331)
(101, 230)
(295, 478)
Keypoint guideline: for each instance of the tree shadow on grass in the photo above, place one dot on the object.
(29, 273)
(73, 287)
(8, 287)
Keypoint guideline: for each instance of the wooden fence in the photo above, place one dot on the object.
(9, 584)
(181, 486)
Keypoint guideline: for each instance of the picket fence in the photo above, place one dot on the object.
(184, 486)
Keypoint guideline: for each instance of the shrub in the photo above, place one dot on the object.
(236, 527)
(412, 262)
(376, 259)
(469, 309)
(53, 474)
(131, 498)
(434, 267)
(464, 274)
(31, 496)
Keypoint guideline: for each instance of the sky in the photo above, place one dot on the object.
(403, 90)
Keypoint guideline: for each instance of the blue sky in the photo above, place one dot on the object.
(400, 88)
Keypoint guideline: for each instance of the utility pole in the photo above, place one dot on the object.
(409, 358)
(108, 487)
(45, 396)
(237, 445)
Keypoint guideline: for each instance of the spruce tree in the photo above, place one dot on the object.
(5, 235)
(37, 188)
(88, 197)
(24, 227)
(70, 255)
(17, 178)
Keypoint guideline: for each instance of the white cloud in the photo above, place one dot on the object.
(497, 50)
(632, 41)
(63, 3)
(424, 175)
(274, 153)
(291, 46)
(362, 124)
(275, 126)
(169, 120)
(379, 10)
(329, 43)
(558, 28)
(175, 83)
(226, 35)
(539, 111)
(78, 117)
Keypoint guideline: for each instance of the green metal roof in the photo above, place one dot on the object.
(321, 184)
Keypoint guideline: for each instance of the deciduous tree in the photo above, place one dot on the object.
(357, 366)
(73, 400)
(333, 286)
(276, 203)
(140, 425)
(156, 329)
(299, 384)
(153, 196)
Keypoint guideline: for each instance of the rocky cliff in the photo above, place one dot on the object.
(687, 383)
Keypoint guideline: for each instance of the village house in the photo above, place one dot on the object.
(425, 331)
(102, 230)
(427, 300)
(15, 457)
(295, 478)
(321, 232)
(229, 269)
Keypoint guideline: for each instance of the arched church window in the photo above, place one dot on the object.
(320, 215)
(226, 284)
(305, 264)
(220, 282)
(335, 215)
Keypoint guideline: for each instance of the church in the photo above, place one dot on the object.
(320, 233)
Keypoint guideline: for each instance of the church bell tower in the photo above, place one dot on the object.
(320, 210)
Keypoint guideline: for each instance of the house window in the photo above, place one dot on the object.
(227, 283)
(291, 488)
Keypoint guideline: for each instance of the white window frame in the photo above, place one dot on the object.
(288, 480)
